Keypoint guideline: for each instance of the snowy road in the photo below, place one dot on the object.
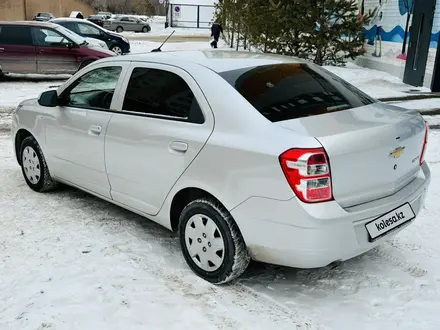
(71, 261)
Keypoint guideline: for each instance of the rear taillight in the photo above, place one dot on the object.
(308, 174)
(425, 144)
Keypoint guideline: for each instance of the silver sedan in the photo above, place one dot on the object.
(127, 23)
(245, 156)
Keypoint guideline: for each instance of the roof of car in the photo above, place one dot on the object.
(29, 23)
(70, 19)
(216, 60)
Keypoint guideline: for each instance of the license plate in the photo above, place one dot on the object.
(390, 221)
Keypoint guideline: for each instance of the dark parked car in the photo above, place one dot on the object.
(115, 42)
(43, 17)
(41, 47)
(106, 14)
(97, 19)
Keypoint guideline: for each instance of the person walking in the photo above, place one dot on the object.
(216, 29)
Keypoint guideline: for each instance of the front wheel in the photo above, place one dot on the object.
(211, 242)
(119, 29)
(34, 166)
(116, 49)
(146, 29)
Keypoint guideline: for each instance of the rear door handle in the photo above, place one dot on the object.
(2, 50)
(179, 146)
(96, 129)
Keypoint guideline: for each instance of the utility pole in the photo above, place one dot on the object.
(25, 9)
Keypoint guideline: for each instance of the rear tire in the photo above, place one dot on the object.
(211, 241)
(34, 167)
(119, 29)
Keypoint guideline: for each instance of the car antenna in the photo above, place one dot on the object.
(163, 43)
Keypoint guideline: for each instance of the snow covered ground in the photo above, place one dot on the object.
(71, 261)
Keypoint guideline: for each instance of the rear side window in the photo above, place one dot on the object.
(88, 29)
(15, 35)
(288, 91)
(162, 93)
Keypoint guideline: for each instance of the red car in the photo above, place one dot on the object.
(37, 47)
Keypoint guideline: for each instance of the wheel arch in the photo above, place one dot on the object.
(21, 134)
(182, 198)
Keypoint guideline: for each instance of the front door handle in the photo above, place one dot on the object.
(96, 129)
(2, 50)
(179, 146)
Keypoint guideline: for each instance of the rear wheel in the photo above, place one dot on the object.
(116, 49)
(211, 241)
(119, 29)
(34, 166)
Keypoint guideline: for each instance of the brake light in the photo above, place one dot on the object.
(425, 144)
(308, 173)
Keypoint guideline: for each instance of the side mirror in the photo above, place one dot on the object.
(70, 45)
(48, 99)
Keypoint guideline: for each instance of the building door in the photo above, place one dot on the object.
(420, 36)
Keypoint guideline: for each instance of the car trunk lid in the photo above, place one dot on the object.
(374, 150)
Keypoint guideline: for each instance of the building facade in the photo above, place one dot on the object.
(16, 10)
(402, 39)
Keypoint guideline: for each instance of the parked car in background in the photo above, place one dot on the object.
(129, 23)
(43, 17)
(97, 19)
(106, 14)
(115, 42)
(43, 47)
(295, 167)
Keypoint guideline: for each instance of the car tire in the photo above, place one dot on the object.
(117, 49)
(146, 29)
(34, 167)
(119, 29)
(211, 241)
(84, 64)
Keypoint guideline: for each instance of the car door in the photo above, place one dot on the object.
(17, 52)
(164, 123)
(53, 52)
(87, 30)
(75, 130)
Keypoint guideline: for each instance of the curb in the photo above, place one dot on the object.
(410, 97)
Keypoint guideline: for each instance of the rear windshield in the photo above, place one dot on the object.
(288, 91)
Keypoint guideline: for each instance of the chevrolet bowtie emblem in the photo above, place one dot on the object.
(396, 153)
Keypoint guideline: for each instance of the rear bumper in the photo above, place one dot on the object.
(294, 234)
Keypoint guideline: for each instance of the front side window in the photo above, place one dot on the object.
(88, 29)
(163, 93)
(49, 38)
(293, 90)
(124, 19)
(94, 90)
(15, 35)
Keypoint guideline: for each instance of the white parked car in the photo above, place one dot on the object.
(244, 155)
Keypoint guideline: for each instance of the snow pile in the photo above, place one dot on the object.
(373, 82)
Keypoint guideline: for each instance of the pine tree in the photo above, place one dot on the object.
(323, 31)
